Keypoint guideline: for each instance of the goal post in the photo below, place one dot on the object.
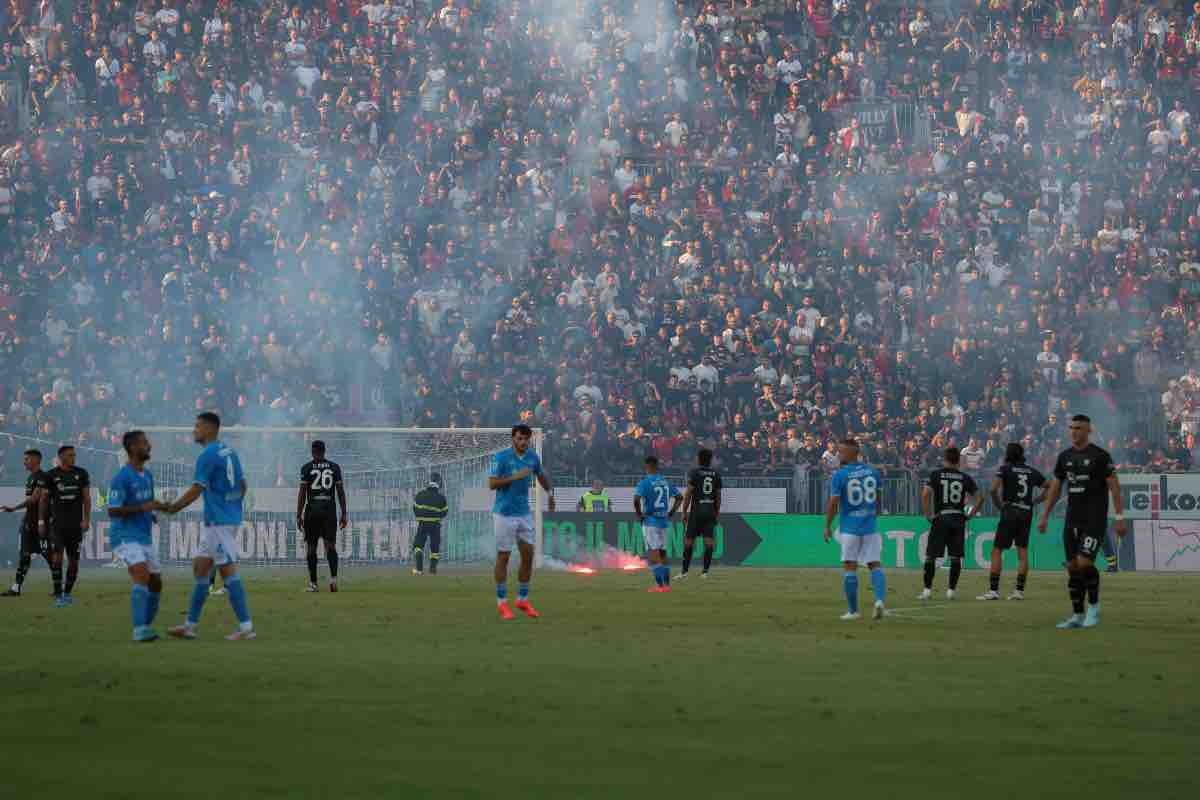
(383, 468)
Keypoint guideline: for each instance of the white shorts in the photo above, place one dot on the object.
(132, 553)
(656, 538)
(511, 529)
(862, 549)
(219, 543)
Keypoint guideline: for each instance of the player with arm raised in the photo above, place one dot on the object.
(219, 478)
(949, 489)
(655, 501)
(70, 491)
(34, 531)
(701, 508)
(1091, 480)
(513, 519)
(131, 507)
(316, 512)
(854, 497)
(1013, 492)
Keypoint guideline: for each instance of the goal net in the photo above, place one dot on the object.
(383, 468)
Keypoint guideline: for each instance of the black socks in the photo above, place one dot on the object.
(955, 571)
(1075, 588)
(1091, 582)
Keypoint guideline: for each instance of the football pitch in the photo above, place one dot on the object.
(742, 686)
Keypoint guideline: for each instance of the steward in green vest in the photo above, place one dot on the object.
(595, 500)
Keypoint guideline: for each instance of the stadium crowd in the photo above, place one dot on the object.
(639, 224)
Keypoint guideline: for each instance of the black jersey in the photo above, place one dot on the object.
(1018, 482)
(705, 483)
(1085, 473)
(950, 489)
(36, 480)
(320, 477)
(67, 490)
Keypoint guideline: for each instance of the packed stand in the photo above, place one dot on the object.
(638, 224)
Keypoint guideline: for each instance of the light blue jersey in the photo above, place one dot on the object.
(513, 500)
(219, 472)
(857, 488)
(131, 488)
(656, 493)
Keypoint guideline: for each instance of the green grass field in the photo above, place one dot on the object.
(746, 685)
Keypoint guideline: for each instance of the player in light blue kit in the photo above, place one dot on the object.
(652, 504)
(219, 478)
(131, 506)
(509, 479)
(855, 494)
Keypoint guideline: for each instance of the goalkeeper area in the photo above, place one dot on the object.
(743, 686)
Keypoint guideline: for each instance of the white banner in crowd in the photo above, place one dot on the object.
(280, 501)
(733, 501)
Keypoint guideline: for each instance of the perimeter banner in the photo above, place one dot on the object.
(1160, 495)
(781, 540)
(608, 540)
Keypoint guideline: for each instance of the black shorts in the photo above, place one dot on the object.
(1083, 540)
(320, 528)
(67, 538)
(31, 542)
(701, 526)
(948, 533)
(1013, 529)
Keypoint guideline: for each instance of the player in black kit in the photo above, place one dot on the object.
(701, 508)
(1014, 493)
(316, 512)
(34, 533)
(949, 489)
(71, 515)
(1091, 479)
